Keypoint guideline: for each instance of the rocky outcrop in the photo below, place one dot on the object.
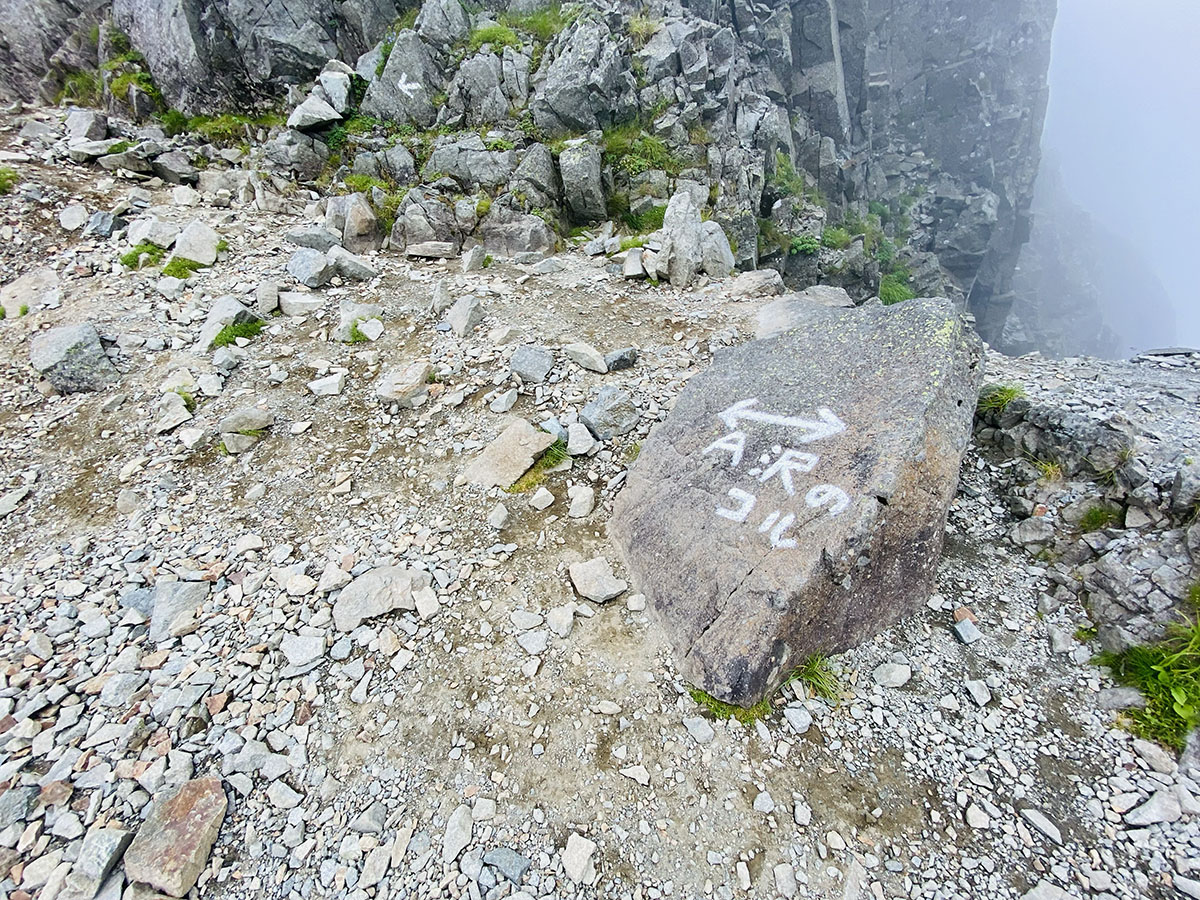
(884, 147)
(796, 483)
(207, 56)
(1104, 482)
(72, 359)
(43, 39)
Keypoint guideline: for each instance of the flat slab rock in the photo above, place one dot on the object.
(509, 456)
(794, 500)
(376, 593)
(172, 846)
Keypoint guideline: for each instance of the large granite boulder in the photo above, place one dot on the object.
(794, 500)
(352, 217)
(468, 161)
(442, 22)
(690, 244)
(209, 55)
(588, 84)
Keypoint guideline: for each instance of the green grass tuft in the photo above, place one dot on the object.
(1049, 470)
(785, 181)
(173, 122)
(997, 397)
(542, 25)
(83, 88)
(554, 455)
(363, 184)
(8, 180)
(634, 151)
(133, 259)
(818, 676)
(836, 238)
(894, 288)
(1099, 517)
(234, 330)
(496, 36)
(389, 208)
(23, 310)
(642, 28)
(647, 222)
(1168, 674)
(408, 19)
(484, 206)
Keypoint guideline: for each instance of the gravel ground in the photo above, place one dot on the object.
(497, 734)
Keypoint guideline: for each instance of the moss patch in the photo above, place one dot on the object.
(133, 259)
(718, 709)
(181, 268)
(231, 332)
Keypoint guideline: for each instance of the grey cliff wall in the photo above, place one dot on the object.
(921, 119)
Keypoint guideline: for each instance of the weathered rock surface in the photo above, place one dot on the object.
(172, 845)
(39, 288)
(582, 186)
(375, 593)
(865, 415)
(72, 359)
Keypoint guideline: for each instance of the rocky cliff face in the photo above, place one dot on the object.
(887, 147)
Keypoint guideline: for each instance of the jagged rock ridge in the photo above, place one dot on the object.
(913, 127)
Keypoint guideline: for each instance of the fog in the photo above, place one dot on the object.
(1124, 126)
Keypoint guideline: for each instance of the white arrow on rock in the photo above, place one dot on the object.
(407, 87)
(826, 426)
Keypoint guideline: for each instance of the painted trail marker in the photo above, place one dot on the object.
(794, 500)
(826, 424)
(406, 87)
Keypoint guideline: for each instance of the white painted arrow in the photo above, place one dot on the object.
(407, 87)
(826, 426)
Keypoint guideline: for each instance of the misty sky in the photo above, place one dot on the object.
(1124, 121)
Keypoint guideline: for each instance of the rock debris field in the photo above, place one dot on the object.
(270, 627)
